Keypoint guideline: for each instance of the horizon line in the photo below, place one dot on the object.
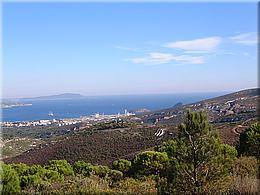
(131, 94)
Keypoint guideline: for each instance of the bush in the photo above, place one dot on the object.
(30, 180)
(122, 165)
(134, 186)
(10, 182)
(249, 141)
(21, 168)
(246, 166)
(150, 163)
(115, 175)
(80, 185)
(61, 166)
(245, 172)
(170, 147)
(36, 169)
(52, 176)
(101, 171)
(83, 168)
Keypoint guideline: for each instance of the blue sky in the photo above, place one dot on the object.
(128, 48)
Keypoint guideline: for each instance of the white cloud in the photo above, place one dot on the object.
(156, 58)
(245, 38)
(204, 45)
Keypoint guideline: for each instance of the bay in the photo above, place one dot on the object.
(74, 108)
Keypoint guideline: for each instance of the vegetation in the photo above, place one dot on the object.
(249, 141)
(17, 146)
(198, 160)
(122, 165)
(99, 147)
(245, 178)
(150, 163)
(195, 162)
(119, 123)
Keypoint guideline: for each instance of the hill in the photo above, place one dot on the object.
(234, 107)
(58, 97)
(97, 147)
(230, 114)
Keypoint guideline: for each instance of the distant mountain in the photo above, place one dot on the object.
(58, 97)
(233, 107)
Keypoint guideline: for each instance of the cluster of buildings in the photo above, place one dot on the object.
(69, 121)
(219, 110)
(46, 122)
(232, 107)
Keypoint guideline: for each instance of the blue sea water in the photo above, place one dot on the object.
(73, 108)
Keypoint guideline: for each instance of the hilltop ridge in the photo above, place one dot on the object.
(57, 97)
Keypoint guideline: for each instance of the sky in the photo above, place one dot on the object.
(128, 48)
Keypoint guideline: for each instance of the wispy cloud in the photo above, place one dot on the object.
(194, 51)
(203, 45)
(245, 38)
(156, 58)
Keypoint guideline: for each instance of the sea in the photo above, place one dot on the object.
(75, 108)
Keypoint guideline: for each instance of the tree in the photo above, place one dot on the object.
(10, 182)
(30, 180)
(101, 171)
(122, 165)
(81, 167)
(61, 166)
(249, 141)
(51, 176)
(115, 175)
(198, 160)
(150, 163)
(21, 168)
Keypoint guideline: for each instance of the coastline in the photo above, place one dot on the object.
(14, 105)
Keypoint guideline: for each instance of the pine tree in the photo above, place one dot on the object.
(198, 159)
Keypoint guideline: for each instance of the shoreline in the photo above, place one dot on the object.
(68, 121)
(14, 105)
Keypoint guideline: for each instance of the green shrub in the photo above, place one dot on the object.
(122, 165)
(249, 141)
(61, 166)
(170, 147)
(30, 181)
(83, 168)
(35, 169)
(101, 171)
(52, 176)
(150, 163)
(115, 175)
(10, 182)
(21, 168)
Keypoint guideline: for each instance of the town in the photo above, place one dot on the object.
(68, 121)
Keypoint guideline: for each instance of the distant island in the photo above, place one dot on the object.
(58, 97)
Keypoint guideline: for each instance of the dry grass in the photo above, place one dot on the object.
(245, 185)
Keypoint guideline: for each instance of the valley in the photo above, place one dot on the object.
(102, 142)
